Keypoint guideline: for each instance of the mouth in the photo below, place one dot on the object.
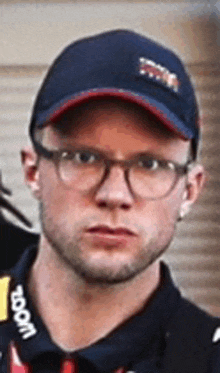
(102, 229)
(110, 236)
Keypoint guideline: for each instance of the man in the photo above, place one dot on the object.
(115, 132)
(13, 238)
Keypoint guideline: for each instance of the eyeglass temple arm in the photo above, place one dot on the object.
(43, 151)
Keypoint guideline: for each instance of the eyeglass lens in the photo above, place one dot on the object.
(145, 182)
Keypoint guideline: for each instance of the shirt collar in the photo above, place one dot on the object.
(138, 338)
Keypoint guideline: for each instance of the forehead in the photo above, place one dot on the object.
(103, 111)
(110, 123)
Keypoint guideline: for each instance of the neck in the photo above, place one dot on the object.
(91, 310)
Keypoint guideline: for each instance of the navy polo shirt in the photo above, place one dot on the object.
(138, 344)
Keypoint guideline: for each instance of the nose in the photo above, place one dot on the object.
(114, 192)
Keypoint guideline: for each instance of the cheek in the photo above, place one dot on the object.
(170, 211)
(60, 202)
(167, 209)
(160, 215)
(61, 206)
(52, 195)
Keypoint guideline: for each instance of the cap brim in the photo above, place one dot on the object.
(164, 115)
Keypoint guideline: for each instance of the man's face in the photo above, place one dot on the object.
(110, 235)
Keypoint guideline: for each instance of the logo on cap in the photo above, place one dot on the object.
(158, 72)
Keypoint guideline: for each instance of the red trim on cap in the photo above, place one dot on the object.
(123, 95)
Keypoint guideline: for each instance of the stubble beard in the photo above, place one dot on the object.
(68, 249)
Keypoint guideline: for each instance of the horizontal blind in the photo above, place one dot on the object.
(194, 255)
(18, 87)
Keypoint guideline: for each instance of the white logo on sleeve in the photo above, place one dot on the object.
(22, 316)
(216, 335)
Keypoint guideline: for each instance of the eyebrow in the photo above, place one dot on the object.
(110, 154)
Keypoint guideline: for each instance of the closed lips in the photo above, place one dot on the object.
(108, 230)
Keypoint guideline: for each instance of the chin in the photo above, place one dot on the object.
(108, 271)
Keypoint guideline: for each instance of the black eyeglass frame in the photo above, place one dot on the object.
(57, 155)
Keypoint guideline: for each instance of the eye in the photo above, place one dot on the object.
(150, 164)
(81, 157)
(85, 157)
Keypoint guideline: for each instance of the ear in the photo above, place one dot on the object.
(194, 185)
(29, 162)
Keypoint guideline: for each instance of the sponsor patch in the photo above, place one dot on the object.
(21, 315)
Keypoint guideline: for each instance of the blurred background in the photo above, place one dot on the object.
(31, 35)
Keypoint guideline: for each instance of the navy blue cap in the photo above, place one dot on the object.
(122, 64)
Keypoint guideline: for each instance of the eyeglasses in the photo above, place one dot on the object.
(85, 168)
